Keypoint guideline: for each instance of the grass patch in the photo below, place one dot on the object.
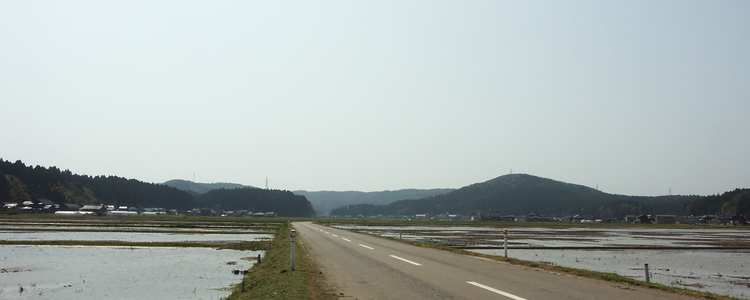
(273, 278)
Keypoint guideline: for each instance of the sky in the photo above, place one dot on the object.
(632, 97)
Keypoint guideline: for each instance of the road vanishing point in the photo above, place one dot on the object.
(362, 267)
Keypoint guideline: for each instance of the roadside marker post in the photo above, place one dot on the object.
(648, 277)
(505, 241)
(294, 234)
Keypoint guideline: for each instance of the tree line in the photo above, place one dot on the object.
(733, 202)
(283, 203)
(19, 183)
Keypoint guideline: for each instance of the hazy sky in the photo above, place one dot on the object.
(635, 96)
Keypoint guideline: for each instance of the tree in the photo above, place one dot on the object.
(4, 187)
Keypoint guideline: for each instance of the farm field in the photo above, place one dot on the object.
(130, 258)
(711, 260)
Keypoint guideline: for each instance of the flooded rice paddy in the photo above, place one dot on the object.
(711, 260)
(206, 237)
(86, 272)
(51, 272)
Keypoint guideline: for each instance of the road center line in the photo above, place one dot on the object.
(494, 290)
(335, 235)
(346, 239)
(406, 260)
(368, 247)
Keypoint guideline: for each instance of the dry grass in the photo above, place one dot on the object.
(273, 278)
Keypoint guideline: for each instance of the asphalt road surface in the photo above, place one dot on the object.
(359, 266)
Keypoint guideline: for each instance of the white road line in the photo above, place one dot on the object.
(335, 235)
(494, 290)
(368, 247)
(348, 240)
(406, 260)
(327, 232)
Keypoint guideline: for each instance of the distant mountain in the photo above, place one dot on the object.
(325, 201)
(322, 201)
(202, 188)
(521, 194)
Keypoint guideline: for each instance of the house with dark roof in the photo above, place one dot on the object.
(46, 206)
(576, 218)
(70, 207)
(94, 208)
(27, 207)
(645, 219)
(665, 219)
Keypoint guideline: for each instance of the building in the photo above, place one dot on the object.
(46, 205)
(665, 219)
(645, 219)
(494, 216)
(70, 207)
(576, 218)
(94, 208)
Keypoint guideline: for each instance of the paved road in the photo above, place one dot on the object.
(365, 267)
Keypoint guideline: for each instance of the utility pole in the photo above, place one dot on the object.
(505, 241)
(294, 234)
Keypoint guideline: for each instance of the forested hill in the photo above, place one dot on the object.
(19, 183)
(325, 201)
(202, 188)
(521, 194)
(283, 203)
(735, 202)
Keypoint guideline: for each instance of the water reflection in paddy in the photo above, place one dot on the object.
(130, 229)
(562, 237)
(130, 236)
(50, 272)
